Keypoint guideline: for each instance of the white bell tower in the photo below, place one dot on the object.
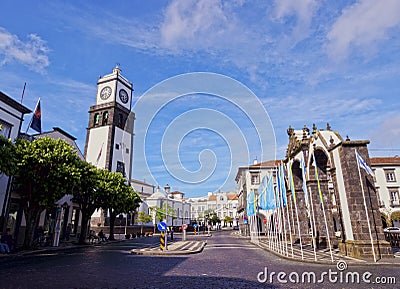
(109, 137)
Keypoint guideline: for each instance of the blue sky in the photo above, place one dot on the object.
(306, 61)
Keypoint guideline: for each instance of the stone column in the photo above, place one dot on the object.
(360, 246)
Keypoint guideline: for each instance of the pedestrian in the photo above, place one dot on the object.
(172, 233)
(7, 242)
(102, 236)
(68, 231)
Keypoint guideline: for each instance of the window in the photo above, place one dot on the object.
(394, 196)
(5, 129)
(390, 176)
(120, 120)
(121, 168)
(255, 179)
(105, 118)
(117, 146)
(96, 119)
(127, 150)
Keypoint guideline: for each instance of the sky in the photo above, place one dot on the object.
(223, 80)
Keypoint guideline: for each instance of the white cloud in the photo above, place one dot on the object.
(186, 22)
(32, 53)
(303, 10)
(388, 133)
(362, 25)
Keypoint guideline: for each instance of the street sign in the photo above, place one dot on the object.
(195, 226)
(162, 226)
(184, 226)
(265, 220)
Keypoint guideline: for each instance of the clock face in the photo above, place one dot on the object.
(123, 96)
(105, 93)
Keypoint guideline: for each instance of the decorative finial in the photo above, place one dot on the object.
(306, 132)
(117, 69)
(290, 131)
(347, 138)
(314, 129)
(328, 127)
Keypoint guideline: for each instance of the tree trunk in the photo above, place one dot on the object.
(32, 219)
(113, 216)
(84, 227)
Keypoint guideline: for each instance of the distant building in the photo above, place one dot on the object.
(176, 200)
(387, 184)
(142, 188)
(224, 204)
(248, 179)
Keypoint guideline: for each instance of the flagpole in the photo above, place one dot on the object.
(282, 177)
(23, 92)
(304, 173)
(295, 206)
(323, 209)
(365, 206)
(278, 221)
(291, 225)
(313, 227)
(284, 218)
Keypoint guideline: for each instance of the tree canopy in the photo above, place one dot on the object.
(117, 196)
(163, 212)
(7, 153)
(46, 170)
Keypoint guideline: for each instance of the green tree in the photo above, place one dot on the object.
(117, 196)
(143, 217)
(163, 212)
(211, 217)
(7, 153)
(228, 220)
(46, 170)
(87, 194)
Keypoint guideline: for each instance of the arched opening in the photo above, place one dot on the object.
(105, 118)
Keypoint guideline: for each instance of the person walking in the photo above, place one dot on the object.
(68, 231)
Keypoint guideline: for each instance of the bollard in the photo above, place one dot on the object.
(162, 241)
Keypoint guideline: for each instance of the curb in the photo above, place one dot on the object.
(348, 261)
(60, 248)
(168, 253)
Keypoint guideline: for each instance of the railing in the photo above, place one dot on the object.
(393, 238)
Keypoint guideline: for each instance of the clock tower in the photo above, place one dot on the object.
(109, 137)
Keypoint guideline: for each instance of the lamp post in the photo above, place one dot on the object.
(167, 189)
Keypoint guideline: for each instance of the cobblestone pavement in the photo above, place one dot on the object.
(227, 261)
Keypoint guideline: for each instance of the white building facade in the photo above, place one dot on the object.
(224, 204)
(176, 200)
(11, 117)
(248, 179)
(387, 184)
